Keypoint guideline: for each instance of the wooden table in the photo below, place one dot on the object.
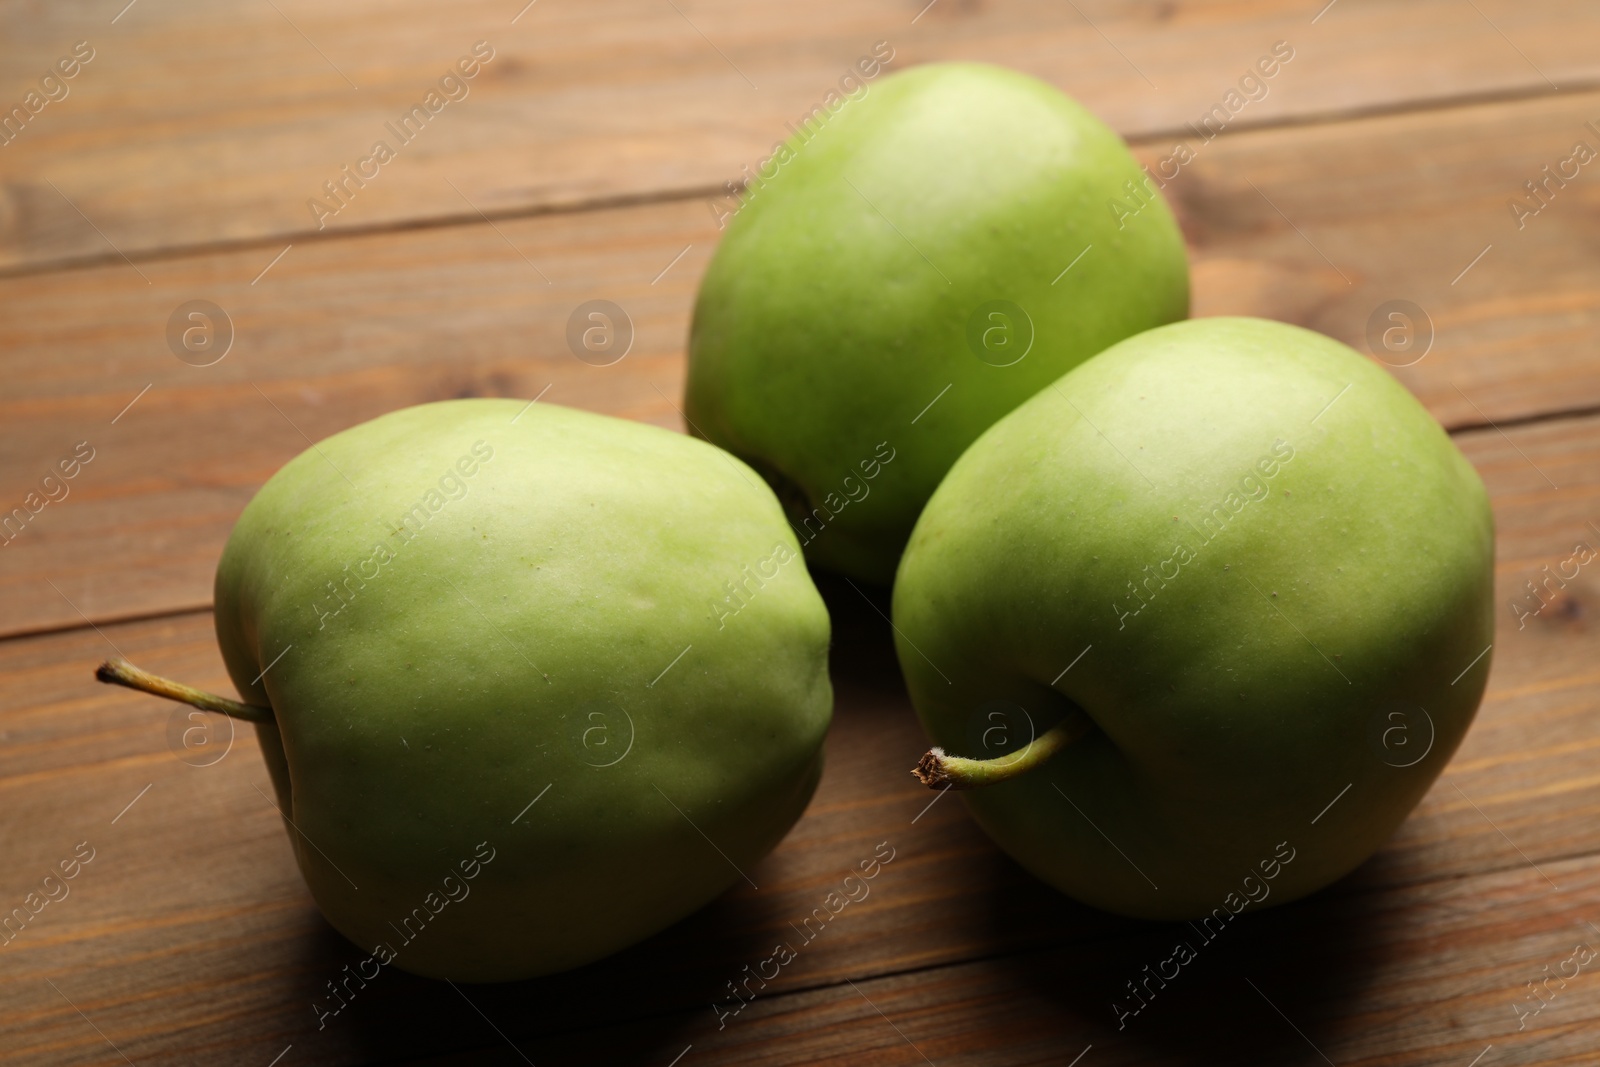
(177, 167)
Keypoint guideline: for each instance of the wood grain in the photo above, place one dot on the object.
(198, 123)
(336, 333)
(196, 879)
(340, 331)
(1379, 167)
(1417, 977)
(1324, 226)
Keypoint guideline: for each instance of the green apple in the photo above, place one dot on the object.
(1219, 596)
(917, 264)
(531, 683)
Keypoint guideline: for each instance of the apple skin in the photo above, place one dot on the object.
(1248, 690)
(824, 327)
(413, 725)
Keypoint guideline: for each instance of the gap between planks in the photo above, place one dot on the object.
(68, 626)
(1312, 119)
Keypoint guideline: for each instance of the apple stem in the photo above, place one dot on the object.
(121, 672)
(937, 769)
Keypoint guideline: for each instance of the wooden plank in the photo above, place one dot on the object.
(334, 334)
(1327, 226)
(190, 938)
(339, 331)
(197, 123)
(1415, 977)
